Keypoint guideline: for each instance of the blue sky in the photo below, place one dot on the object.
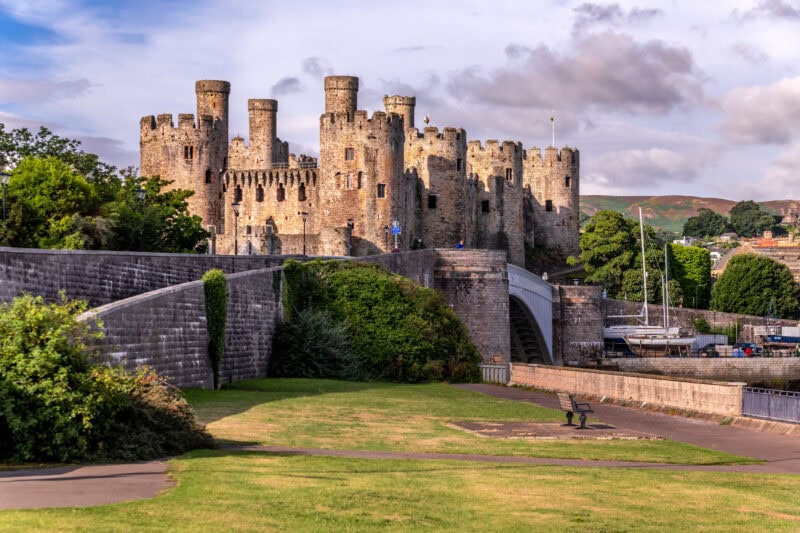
(670, 97)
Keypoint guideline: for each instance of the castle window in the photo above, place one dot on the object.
(248, 229)
(301, 192)
(458, 164)
(431, 201)
(548, 205)
(281, 193)
(566, 181)
(188, 152)
(360, 178)
(349, 154)
(509, 174)
(381, 190)
(238, 194)
(260, 194)
(208, 175)
(349, 182)
(484, 206)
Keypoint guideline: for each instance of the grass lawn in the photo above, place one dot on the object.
(246, 491)
(391, 417)
(225, 490)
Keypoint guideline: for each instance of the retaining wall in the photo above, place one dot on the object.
(166, 329)
(713, 397)
(750, 370)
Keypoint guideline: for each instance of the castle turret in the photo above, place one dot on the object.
(341, 94)
(403, 106)
(212, 99)
(554, 183)
(263, 131)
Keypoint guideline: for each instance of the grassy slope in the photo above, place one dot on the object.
(669, 212)
(251, 491)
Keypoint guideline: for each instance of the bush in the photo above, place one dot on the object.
(55, 406)
(215, 287)
(398, 330)
(312, 345)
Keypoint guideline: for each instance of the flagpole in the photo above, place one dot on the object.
(553, 120)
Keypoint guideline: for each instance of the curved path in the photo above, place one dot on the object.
(76, 486)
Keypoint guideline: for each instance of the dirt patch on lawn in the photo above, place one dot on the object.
(555, 431)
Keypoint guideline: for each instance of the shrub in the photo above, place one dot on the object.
(216, 296)
(55, 406)
(399, 331)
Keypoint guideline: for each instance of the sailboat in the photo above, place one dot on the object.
(644, 339)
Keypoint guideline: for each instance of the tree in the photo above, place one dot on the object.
(753, 284)
(707, 223)
(750, 220)
(690, 267)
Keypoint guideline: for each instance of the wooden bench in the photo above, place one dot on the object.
(568, 404)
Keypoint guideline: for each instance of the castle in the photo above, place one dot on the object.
(379, 184)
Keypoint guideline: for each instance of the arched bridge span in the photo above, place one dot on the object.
(530, 317)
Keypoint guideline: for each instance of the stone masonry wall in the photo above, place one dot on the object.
(104, 277)
(166, 329)
(577, 323)
(751, 370)
(475, 284)
(704, 396)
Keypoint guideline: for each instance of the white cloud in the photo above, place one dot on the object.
(763, 115)
(637, 169)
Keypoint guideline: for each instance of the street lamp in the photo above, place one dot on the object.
(386, 237)
(5, 177)
(140, 194)
(235, 206)
(695, 293)
(305, 217)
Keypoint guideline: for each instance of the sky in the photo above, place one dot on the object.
(661, 98)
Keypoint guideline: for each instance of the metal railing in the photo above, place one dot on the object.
(495, 373)
(771, 404)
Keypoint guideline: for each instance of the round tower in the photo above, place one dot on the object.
(403, 106)
(212, 99)
(341, 94)
(263, 131)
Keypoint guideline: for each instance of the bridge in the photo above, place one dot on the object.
(152, 305)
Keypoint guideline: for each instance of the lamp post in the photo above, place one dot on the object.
(5, 177)
(695, 293)
(305, 217)
(386, 237)
(235, 207)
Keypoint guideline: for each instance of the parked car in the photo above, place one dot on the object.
(709, 350)
(750, 349)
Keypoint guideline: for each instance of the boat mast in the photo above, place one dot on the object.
(666, 288)
(644, 269)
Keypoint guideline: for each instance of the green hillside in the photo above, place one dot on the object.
(671, 212)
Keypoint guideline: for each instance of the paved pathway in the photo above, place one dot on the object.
(101, 484)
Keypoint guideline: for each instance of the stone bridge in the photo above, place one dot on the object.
(153, 312)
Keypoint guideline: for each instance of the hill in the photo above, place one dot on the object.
(671, 212)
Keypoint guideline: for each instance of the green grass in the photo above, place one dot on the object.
(411, 418)
(243, 491)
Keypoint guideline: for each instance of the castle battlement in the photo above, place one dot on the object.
(361, 120)
(494, 147)
(431, 133)
(551, 154)
(271, 178)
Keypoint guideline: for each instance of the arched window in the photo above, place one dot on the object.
(566, 181)
(360, 178)
(301, 192)
(208, 175)
(349, 182)
(238, 194)
(260, 194)
(281, 193)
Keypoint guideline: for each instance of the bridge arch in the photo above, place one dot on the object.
(530, 317)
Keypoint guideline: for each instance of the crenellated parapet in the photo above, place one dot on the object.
(403, 106)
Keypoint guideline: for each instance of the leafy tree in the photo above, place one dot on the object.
(750, 220)
(690, 267)
(707, 223)
(753, 284)
(215, 289)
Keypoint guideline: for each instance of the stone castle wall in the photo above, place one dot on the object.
(751, 370)
(577, 323)
(372, 173)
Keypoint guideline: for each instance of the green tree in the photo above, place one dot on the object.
(690, 267)
(752, 284)
(748, 219)
(707, 223)
(215, 289)
(45, 199)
